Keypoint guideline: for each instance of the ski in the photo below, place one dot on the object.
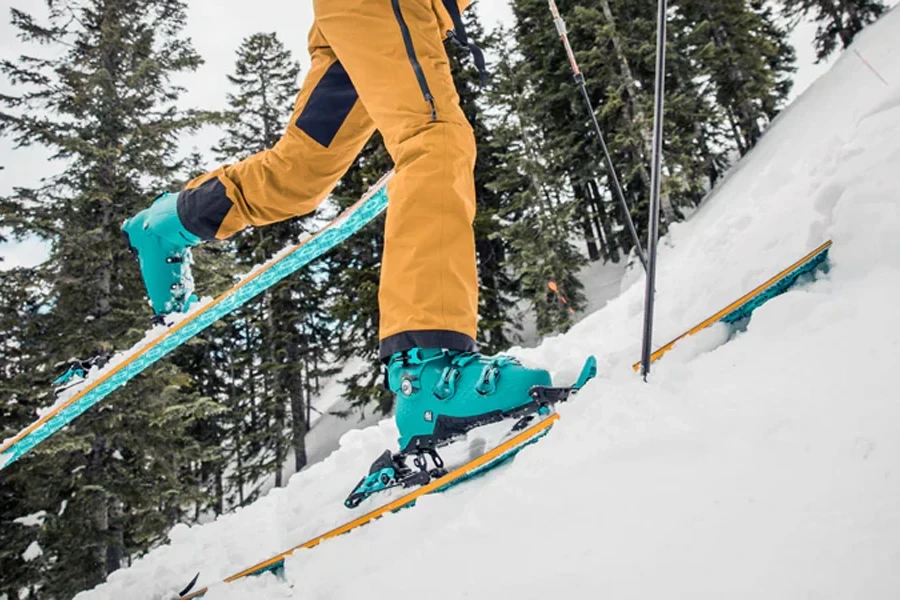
(526, 429)
(480, 465)
(121, 368)
(744, 306)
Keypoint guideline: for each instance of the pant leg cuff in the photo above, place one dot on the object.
(428, 338)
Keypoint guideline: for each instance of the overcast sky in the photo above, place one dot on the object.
(216, 28)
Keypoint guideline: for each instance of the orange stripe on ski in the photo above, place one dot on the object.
(734, 305)
(399, 503)
(244, 281)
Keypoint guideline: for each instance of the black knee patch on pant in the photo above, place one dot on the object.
(203, 209)
(328, 105)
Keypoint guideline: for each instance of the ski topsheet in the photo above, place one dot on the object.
(498, 455)
(744, 306)
(162, 340)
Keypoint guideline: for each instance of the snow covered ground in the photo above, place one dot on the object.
(764, 467)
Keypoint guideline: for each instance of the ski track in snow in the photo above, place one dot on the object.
(764, 467)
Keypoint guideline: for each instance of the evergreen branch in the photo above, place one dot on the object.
(31, 31)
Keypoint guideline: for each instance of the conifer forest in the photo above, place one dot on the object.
(224, 418)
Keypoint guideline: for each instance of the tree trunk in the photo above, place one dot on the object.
(299, 429)
(593, 252)
(238, 431)
(844, 32)
(612, 246)
(115, 549)
(96, 572)
(605, 250)
(591, 236)
(278, 391)
(299, 422)
(736, 132)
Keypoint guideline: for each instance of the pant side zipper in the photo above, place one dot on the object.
(413, 59)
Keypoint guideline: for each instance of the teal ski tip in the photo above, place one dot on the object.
(779, 287)
(588, 372)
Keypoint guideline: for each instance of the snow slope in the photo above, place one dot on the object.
(765, 467)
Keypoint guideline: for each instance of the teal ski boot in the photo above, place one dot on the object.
(163, 248)
(441, 395)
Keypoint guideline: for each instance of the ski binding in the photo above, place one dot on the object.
(77, 372)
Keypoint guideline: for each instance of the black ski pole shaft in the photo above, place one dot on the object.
(614, 178)
(655, 181)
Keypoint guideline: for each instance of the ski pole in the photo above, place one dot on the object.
(649, 296)
(579, 79)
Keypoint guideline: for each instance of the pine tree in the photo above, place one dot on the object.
(116, 480)
(534, 215)
(265, 75)
(287, 319)
(727, 76)
(747, 59)
(838, 20)
(19, 307)
(563, 137)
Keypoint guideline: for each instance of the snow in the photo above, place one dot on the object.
(764, 467)
(32, 552)
(32, 520)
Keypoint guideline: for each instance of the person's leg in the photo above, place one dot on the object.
(327, 130)
(394, 54)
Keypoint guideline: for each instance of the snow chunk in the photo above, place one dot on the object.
(32, 520)
(32, 552)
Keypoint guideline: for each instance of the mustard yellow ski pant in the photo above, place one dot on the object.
(376, 64)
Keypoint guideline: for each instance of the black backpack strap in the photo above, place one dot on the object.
(461, 39)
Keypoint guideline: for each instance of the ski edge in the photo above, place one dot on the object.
(459, 473)
(739, 303)
(7, 447)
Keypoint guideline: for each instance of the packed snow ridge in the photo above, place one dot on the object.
(762, 467)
